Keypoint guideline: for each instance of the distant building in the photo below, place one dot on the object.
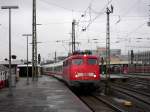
(115, 55)
(141, 57)
(101, 52)
(115, 52)
(14, 64)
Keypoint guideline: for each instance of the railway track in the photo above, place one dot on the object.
(140, 81)
(133, 88)
(100, 104)
(139, 100)
(133, 93)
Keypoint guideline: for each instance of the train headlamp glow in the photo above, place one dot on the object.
(94, 75)
(76, 76)
(84, 55)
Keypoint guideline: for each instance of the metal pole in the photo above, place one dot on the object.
(74, 41)
(107, 46)
(27, 35)
(27, 63)
(10, 75)
(107, 54)
(73, 36)
(34, 43)
(128, 61)
(55, 57)
(37, 68)
(107, 88)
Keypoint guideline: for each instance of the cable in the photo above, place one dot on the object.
(53, 4)
(98, 15)
(128, 10)
(85, 11)
(140, 26)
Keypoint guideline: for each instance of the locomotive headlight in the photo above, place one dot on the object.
(94, 75)
(76, 76)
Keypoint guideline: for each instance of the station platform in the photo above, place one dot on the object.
(114, 76)
(45, 95)
(139, 75)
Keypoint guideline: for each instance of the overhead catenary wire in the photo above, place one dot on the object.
(133, 31)
(88, 9)
(90, 21)
(56, 5)
(100, 13)
(129, 10)
(93, 19)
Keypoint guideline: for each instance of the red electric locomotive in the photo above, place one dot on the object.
(81, 69)
(77, 70)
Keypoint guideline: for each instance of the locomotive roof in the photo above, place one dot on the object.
(70, 57)
(82, 56)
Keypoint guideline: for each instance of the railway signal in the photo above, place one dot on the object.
(73, 35)
(132, 56)
(13, 56)
(39, 58)
(102, 65)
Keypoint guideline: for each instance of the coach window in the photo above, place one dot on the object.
(92, 61)
(77, 61)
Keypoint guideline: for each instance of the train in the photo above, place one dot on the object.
(76, 70)
(126, 69)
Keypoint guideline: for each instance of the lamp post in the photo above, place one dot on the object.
(10, 75)
(27, 35)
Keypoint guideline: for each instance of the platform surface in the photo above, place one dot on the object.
(114, 76)
(46, 95)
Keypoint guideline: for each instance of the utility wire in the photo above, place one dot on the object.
(85, 11)
(98, 15)
(126, 12)
(53, 4)
(133, 31)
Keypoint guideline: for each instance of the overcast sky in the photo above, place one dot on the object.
(128, 22)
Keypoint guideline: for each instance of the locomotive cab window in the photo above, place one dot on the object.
(92, 61)
(77, 61)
